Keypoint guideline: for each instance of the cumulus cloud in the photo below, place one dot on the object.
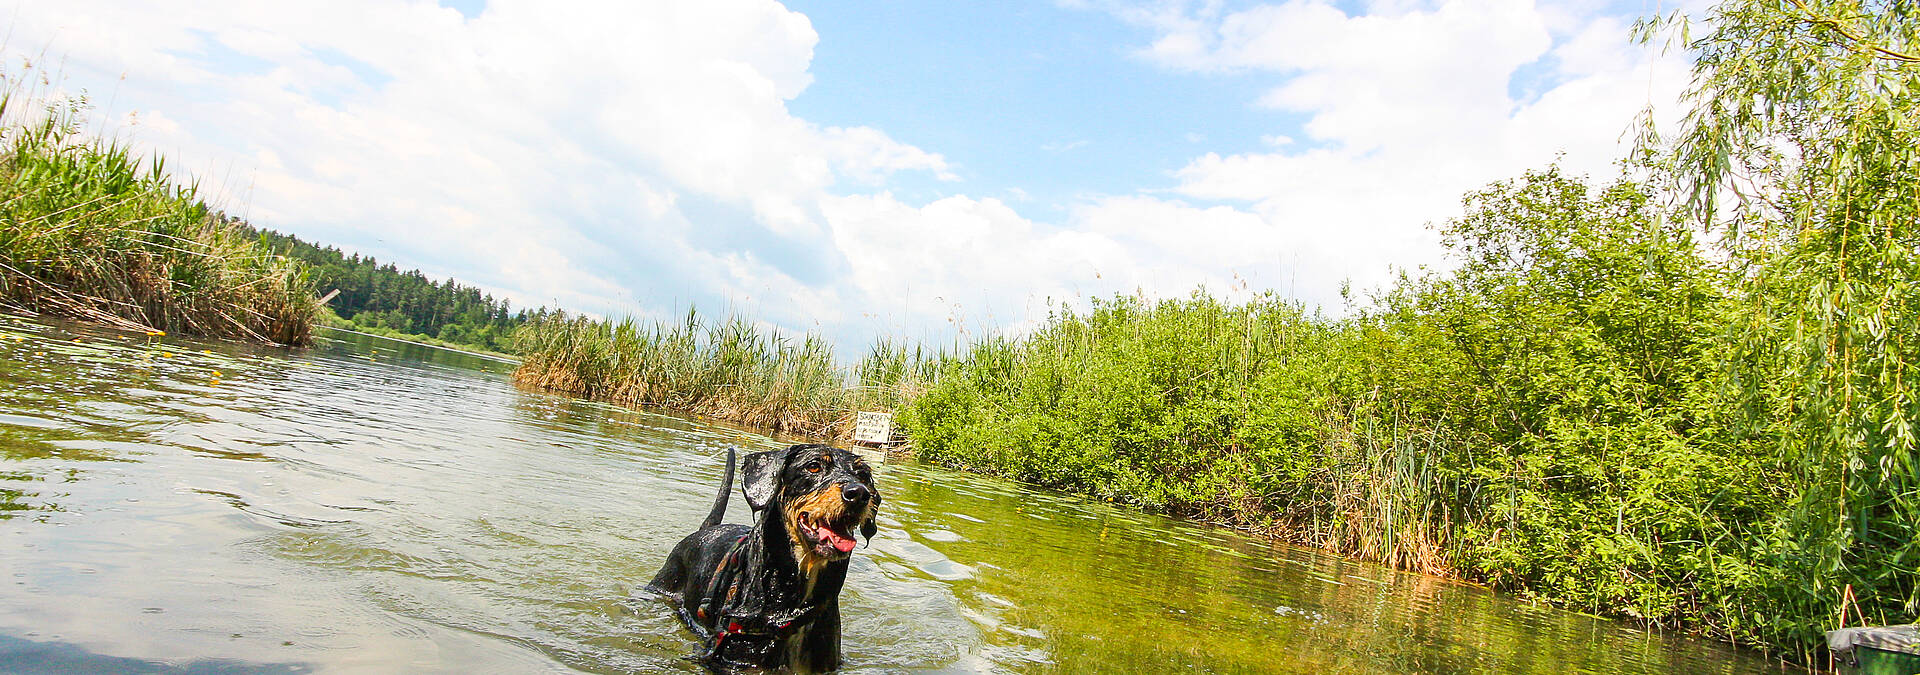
(1407, 108)
(542, 150)
(621, 157)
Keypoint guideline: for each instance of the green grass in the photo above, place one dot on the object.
(90, 231)
(731, 369)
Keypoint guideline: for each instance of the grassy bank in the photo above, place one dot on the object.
(730, 369)
(90, 231)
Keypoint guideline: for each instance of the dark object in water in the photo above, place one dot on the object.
(768, 596)
(1876, 650)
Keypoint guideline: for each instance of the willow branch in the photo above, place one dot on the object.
(1838, 27)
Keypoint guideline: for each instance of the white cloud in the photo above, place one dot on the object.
(962, 260)
(530, 148)
(1408, 108)
(967, 261)
(619, 156)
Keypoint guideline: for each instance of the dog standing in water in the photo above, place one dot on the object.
(768, 595)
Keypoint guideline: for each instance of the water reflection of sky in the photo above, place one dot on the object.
(368, 506)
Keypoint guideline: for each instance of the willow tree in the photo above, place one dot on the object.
(1800, 150)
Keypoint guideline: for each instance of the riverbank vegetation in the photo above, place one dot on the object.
(1681, 394)
(89, 230)
(1552, 418)
(94, 232)
(732, 369)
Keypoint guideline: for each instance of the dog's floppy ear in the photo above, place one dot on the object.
(870, 528)
(763, 476)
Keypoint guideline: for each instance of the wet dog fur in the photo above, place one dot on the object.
(768, 595)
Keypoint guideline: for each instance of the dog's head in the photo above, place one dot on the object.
(820, 494)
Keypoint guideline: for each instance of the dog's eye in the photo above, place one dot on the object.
(813, 467)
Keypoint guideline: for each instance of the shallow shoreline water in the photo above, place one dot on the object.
(370, 507)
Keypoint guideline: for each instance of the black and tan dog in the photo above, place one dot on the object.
(768, 595)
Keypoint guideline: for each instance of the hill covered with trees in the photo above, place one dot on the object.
(380, 298)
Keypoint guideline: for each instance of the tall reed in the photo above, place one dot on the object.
(89, 230)
(731, 369)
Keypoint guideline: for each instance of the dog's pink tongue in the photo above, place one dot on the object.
(841, 544)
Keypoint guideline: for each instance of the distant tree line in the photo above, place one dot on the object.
(380, 297)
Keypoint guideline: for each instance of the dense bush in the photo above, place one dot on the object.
(1682, 396)
(1544, 417)
(1556, 416)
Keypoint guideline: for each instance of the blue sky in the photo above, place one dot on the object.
(929, 169)
(1051, 104)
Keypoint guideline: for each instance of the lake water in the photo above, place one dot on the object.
(368, 506)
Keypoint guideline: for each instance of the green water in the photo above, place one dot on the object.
(367, 506)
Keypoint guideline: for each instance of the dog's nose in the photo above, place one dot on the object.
(855, 492)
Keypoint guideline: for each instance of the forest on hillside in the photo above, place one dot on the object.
(380, 298)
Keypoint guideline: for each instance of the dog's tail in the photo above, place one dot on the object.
(720, 500)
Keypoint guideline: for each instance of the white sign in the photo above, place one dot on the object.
(873, 427)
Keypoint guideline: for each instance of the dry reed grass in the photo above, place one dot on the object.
(731, 369)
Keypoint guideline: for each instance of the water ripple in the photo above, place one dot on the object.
(368, 506)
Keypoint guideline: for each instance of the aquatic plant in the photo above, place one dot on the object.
(89, 230)
(732, 369)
